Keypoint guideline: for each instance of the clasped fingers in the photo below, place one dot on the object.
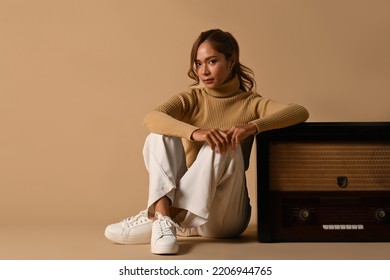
(215, 138)
(218, 139)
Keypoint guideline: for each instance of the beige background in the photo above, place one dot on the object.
(77, 77)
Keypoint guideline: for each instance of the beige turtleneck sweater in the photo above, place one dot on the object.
(223, 107)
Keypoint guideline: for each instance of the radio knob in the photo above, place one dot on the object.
(305, 215)
(380, 214)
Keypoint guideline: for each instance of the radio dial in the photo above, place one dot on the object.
(380, 214)
(305, 215)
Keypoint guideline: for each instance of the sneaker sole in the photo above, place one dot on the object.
(127, 241)
(165, 250)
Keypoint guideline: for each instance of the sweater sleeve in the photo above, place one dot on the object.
(277, 115)
(172, 118)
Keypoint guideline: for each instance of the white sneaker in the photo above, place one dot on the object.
(163, 239)
(132, 230)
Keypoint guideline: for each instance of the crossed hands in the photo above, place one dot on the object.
(222, 140)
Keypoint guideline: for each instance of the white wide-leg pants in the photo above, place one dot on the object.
(212, 192)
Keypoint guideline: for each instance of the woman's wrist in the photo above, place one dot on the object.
(252, 129)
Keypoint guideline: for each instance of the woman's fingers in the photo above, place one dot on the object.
(219, 140)
(215, 138)
(239, 133)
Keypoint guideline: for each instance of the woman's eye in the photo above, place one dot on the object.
(197, 64)
(212, 62)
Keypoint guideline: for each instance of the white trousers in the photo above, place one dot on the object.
(212, 192)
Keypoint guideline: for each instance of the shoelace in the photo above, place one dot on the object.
(141, 215)
(166, 224)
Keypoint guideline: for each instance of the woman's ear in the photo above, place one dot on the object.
(231, 64)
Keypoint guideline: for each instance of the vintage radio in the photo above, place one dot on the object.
(324, 182)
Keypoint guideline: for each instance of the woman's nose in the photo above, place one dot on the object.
(205, 69)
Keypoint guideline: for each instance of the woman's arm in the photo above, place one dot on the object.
(277, 115)
(170, 117)
(273, 115)
(162, 123)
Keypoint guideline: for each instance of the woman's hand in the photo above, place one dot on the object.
(223, 140)
(240, 132)
(215, 138)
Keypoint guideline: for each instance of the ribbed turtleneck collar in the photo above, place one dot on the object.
(227, 89)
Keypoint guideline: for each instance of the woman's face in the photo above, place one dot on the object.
(212, 67)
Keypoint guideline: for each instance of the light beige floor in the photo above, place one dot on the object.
(87, 242)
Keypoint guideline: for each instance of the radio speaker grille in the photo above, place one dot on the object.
(329, 166)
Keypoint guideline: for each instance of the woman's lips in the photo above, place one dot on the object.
(208, 81)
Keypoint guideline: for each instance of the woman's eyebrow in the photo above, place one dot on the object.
(207, 58)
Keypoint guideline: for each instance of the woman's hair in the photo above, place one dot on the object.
(225, 43)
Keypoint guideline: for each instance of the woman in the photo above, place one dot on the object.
(198, 151)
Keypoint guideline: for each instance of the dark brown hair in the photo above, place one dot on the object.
(225, 43)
